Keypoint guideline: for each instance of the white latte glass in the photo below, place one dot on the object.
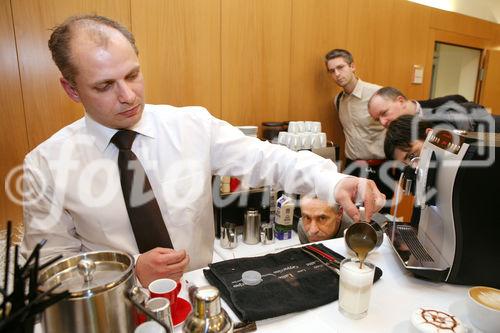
(355, 288)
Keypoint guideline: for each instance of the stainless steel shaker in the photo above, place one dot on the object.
(267, 233)
(251, 227)
(228, 236)
(207, 315)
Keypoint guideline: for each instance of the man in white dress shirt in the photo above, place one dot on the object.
(73, 196)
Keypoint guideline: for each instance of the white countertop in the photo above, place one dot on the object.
(394, 297)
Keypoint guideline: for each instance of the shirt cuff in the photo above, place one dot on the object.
(138, 283)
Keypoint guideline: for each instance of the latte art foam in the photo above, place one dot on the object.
(489, 298)
(435, 321)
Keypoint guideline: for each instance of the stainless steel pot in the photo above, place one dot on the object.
(98, 283)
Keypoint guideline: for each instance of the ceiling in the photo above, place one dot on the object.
(488, 10)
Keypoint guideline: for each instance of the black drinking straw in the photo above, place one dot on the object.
(7, 264)
(34, 254)
(24, 307)
(37, 305)
(17, 296)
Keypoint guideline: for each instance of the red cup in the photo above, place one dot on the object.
(166, 288)
(234, 184)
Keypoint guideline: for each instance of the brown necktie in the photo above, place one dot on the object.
(142, 207)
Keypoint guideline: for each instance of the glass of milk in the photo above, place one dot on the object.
(355, 287)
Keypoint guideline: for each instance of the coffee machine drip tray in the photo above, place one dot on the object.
(417, 255)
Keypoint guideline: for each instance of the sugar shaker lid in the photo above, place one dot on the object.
(251, 278)
(208, 316)
(207, 302)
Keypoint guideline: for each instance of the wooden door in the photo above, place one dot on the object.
(490, 88)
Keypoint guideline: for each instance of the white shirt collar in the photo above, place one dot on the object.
(358, 89)
(103, 134)
(418, 108)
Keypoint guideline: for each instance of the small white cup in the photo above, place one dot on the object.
(293, 142)
(293, 127)
(308, 126)
(305, 140)
(316, 127)
(301, 126)
(282, 138)
(149, 327)
(322, 139)
(315, 144)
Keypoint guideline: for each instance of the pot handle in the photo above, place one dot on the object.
(86, 267)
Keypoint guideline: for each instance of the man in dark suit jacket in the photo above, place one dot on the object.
(389, 103)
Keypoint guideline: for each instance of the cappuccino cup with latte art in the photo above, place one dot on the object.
(483, 306)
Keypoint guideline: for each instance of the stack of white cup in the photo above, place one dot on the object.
(303, 135)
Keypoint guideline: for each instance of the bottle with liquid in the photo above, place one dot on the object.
(285, 206)
(273, 197)
(207, 316)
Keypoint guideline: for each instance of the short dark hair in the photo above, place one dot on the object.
(400, 133)
(335, 53)
(59, 42)
(389, 93)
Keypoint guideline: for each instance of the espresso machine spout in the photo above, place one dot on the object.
(409, 178)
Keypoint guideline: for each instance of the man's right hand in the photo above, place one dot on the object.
(349, 189)
(161, 263)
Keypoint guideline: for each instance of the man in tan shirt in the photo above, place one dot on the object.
(364, 136)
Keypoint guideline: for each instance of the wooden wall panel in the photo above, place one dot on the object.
(409, 47)
(255, 40)
(179, 47)
(13, 136)
(247, 61)
(367, 40)
(461, 24)
(317, 27)
(46, 105)
(382, 51)
(496, 46)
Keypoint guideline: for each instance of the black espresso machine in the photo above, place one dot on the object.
(456, 238)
